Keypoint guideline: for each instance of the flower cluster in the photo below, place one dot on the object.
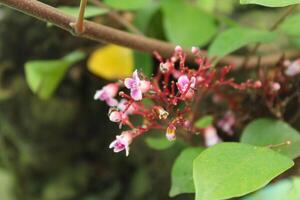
(175, 93)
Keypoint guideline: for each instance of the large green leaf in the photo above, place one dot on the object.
(237, 37)
(43, 76)
(182, 172)
(290, 25)
(187, 25)
(263, 132)
(231, 170)
(271, 3)
(128, 4)
(288, 189)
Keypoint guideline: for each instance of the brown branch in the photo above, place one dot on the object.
(101, 33)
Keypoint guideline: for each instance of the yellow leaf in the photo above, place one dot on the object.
(111, 62)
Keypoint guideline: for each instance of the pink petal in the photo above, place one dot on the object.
(183, 80)
(98, 94)
(136, 94)
(135, 76)
(127, 150)
(111, 89)
(129, 83)
(111, 102)
(112, 144)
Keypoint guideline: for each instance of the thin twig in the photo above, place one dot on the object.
(115, 16)
(101, 33)
(79, 24)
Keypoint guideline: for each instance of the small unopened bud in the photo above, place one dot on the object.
(275, 86)
(257, 84)
(178, 49)
(115, 115)
(195, 50)
(161, 113)
(173, 59)
(170, 133)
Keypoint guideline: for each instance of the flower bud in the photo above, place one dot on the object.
(275, 86)
(178, 49)
(257, 84)
(161, 113)
(195, 50)
(170, 133)
(115, 115)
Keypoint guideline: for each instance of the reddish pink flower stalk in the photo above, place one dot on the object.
(173, 93)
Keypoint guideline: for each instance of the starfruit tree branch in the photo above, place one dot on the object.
(101, 33)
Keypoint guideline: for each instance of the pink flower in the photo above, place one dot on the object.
(122, 142)
(186, 86)
(210, 136)
(137, 87)
(227, 123)
(293, 68)
(107, 94)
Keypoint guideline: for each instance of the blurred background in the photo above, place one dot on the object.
(54, 137)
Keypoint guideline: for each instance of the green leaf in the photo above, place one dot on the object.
(204, 121)
(216, 6)
(271, 3)
(7, 185)
(263, 132)
(90, 11)
(43, 76)
(187, 25)
(182, 172)
(128, 4)
(229, 170)
(207, 5)
(144, 16)
(288, 189)
(143, 62)
(159, 143)
(290, 25)
(237, 37)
